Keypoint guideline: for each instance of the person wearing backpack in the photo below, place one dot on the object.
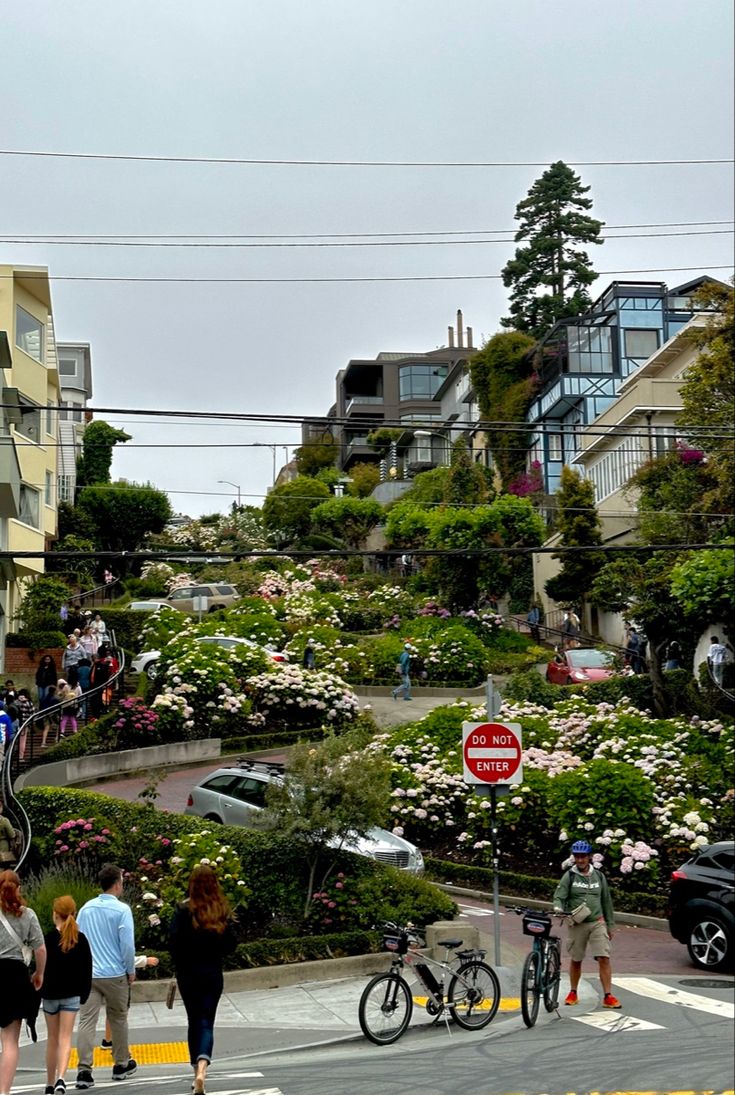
(404, 669)
(583, 893)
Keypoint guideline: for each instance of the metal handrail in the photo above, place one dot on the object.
(11, 765)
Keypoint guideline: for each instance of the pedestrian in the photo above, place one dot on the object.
(309, 659)
(99, 627)
(200, 937)
(9, 692)
(66, 986)
(88, 642)
(533, 619)
(26, 710)
(6, 725)
(7, 842)
(404, 669)
(717, 659)
(583, 893)
(19, 928)
(84, 676)
(109, 579)
(633, 651)
(72, 655)
(67, 694)
(570, 629)
(46, 675)
(142, 961)
(50, 718)
(673, 656)
(100, 675)
(107, 923)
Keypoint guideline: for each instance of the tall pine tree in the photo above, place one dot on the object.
(548, 278)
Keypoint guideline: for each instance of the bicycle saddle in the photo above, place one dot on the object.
(450, 944)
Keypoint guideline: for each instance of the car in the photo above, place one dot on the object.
(147, 662)
(701, 908)
(235, 796)
(218, 595)
(146, 606)
(580, 666)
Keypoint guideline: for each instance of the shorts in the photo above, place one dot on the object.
(590, 934)
(66, 1003)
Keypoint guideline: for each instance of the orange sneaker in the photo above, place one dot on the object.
(610, 1001)
(571, 997)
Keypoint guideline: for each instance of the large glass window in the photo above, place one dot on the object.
(67, 366)
(640, 344)
(28, 333)
(589, 350)
(28, 510)
(420, 381)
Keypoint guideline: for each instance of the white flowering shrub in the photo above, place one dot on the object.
(293, 697)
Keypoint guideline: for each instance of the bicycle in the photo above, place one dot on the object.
(542, 968)
(386, 1005)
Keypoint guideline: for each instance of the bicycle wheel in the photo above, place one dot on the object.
(530, 988)
(385, 1009)
(473, 995)
(552, 977)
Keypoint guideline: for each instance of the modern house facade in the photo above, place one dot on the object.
(638, 426)
(583, 362)
(28, 488)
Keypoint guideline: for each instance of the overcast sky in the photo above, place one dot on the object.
(418, 80)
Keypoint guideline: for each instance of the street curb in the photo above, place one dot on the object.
(634, 920)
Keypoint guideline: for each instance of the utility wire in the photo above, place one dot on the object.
(341, 244)
(116, 279)
(43, 237)
(253, 161)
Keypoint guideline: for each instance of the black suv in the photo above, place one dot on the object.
(702, 906)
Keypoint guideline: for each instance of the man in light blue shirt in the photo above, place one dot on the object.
(107, 922)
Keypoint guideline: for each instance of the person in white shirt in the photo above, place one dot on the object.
(717, 659)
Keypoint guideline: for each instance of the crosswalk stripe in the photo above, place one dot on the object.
(605, 1021)
(655, 990)
(466, 910)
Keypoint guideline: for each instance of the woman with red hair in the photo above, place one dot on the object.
(201, 936)
(66, 986)
(19, 928)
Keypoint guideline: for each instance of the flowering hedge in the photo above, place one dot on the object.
(297, 698)
(645, 792)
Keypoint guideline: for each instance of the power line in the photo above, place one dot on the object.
(42, 237)
(253, 161)
(335, 244)
(116, 279)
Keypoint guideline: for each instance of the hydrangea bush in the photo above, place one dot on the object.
(296, 698)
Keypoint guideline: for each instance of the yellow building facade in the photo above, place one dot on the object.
(28, 430)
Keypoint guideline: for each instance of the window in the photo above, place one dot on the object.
(67, 366)
(48, 490)
(250, 790)
(555, 446)
(181, 594)
(641, 344)
(420, 381)
(418, 419)
(30, 423)
(220, 783)
(50, 422)
(28, 333)
(28, 512)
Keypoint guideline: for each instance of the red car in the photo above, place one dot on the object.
(580, 666)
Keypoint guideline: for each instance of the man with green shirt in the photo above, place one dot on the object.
(584, 894)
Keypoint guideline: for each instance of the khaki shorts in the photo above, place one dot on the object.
(592, 935)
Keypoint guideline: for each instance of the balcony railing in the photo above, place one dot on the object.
(359, 400)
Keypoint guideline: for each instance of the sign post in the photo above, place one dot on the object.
(491, 755)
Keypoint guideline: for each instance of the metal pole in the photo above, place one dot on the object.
(496, 874)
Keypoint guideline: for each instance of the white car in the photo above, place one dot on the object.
(235, 796)
(147, 662)
(146, 606)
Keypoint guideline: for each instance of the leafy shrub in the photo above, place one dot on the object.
(602, 794)
(530, 685)
(54, 880)
(294, 697)
(36, 639)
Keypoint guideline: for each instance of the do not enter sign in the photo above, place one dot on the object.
(492, 752)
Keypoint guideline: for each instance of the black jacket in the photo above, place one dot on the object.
(195, 951)
(68, 973)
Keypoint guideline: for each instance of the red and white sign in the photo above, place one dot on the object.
(492, 752)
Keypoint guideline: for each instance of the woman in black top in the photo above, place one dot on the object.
(200, 938)
(66, 985)
(46, 675)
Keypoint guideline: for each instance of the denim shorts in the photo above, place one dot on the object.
(66, 1003)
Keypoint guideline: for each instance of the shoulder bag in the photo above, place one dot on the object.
(171, 993)
(26, 951)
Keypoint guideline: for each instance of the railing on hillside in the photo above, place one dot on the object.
(99, 594)
(557, 637)
(25, 748)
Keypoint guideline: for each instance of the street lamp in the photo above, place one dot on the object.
(229, 483)
(272, 447)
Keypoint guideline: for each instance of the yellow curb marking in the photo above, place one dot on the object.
(147, 1053)
(508, 1003)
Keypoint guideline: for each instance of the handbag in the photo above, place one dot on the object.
(26, 951)
(581, 913)
(171, 993)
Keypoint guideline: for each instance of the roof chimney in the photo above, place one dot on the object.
(469, 339)
(460, 336)
(450, 336)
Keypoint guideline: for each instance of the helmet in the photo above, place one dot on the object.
(581, 847)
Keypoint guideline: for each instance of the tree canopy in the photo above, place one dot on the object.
(548, 278)
(502, 378)
(579, 526)
(317, 452)
(98, 441)
(124, 514)
(466, 483)
(287, 509)
(349, 519)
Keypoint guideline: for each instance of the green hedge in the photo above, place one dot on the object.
(36, 640)
(538, 888)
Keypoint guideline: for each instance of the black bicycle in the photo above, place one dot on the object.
(472, 995)
(541, 975)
